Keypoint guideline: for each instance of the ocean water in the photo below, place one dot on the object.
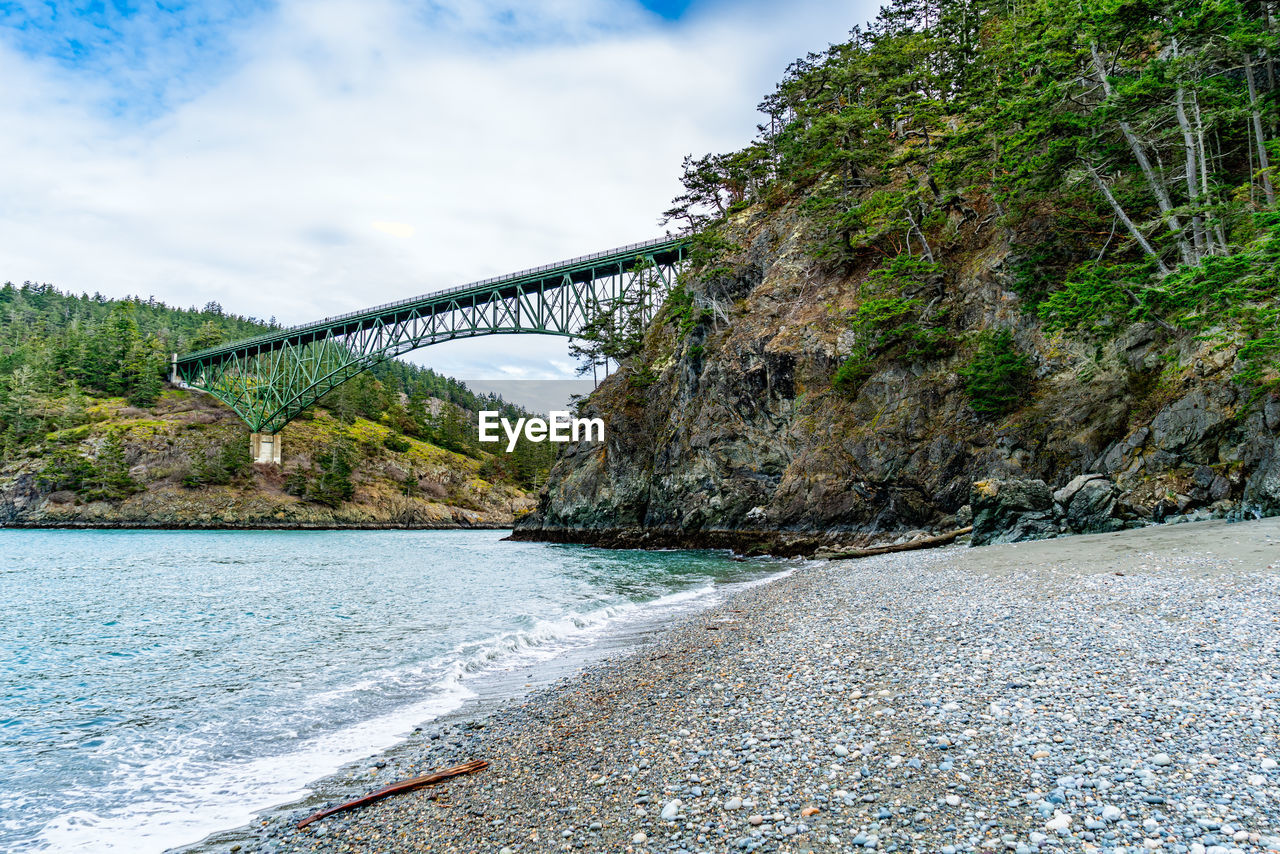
(159, 686)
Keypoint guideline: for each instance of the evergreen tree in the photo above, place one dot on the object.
(142, 371)
(109, 478)
(333, 485)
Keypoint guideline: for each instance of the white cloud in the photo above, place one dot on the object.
(396, 229)
(360, 152)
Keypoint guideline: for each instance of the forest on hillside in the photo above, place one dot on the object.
(1128, 148)
(59, 353)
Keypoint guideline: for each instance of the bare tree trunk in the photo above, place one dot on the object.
(1271, 30)
(1124, 217)
(1264, 167)
(915, 226)
(1198, 235)
(1157, 187)
(1204, 177)
(1248, 143)
(1271, 60)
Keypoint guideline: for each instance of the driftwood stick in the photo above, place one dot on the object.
(925, 543)
(402, 786)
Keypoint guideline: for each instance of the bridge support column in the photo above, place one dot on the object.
(265, 447)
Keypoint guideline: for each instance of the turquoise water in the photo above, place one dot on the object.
(161, 685)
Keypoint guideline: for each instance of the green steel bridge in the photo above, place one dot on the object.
(271, 378)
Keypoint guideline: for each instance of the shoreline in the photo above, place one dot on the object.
(1084, 693)
(489, 693)
(253, 526)
(749, 543)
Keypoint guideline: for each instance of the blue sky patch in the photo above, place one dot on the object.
(145, 57)
(669, 9)
(148, 54)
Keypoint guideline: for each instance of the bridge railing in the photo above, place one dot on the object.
(645, 244)
(505, 277)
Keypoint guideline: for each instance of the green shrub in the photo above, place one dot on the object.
(66, 468)
(890, 328)
(999, 377)
(852, 373)
(1095, 298)
(232, 461)
(396, 443)
(296, 483)
(333, 486)
(105, 478)
(641, 377)
(681, 310)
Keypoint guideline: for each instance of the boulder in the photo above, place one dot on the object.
(1121, 455)
(1220, 489)
(1092, 509)
(1062, 497)
(1262, 489)
(1009, 511)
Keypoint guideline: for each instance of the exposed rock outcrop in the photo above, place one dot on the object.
(1006, 511)
(729, 421)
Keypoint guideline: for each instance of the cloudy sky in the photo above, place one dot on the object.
(302, 158)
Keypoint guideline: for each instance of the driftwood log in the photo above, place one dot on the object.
(402, 786)
(923, 543)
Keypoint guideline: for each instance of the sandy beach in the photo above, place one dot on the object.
(1114, 693)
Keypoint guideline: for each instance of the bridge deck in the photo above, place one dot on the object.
(577, 269)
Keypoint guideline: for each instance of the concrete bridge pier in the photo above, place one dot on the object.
(265, 447)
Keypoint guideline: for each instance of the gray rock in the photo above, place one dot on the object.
(1063, 496)
(1092, 507)
(1271, 414)
(1007, 511)
(1120, 455)
(1262, 489)
(1189, 421)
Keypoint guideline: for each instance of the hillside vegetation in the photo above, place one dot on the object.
(1125, 149)
(974, 240)
(91, 433)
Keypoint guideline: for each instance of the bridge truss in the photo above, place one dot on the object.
(269, 379)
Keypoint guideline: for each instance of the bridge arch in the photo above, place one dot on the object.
(268, 380)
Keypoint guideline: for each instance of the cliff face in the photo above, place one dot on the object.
(729, 421)
(172, 474)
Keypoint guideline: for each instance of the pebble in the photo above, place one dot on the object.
(918, 703)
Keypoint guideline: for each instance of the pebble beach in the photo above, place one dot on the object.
(1104, 693)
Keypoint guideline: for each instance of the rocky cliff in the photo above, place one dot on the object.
(731, 427)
